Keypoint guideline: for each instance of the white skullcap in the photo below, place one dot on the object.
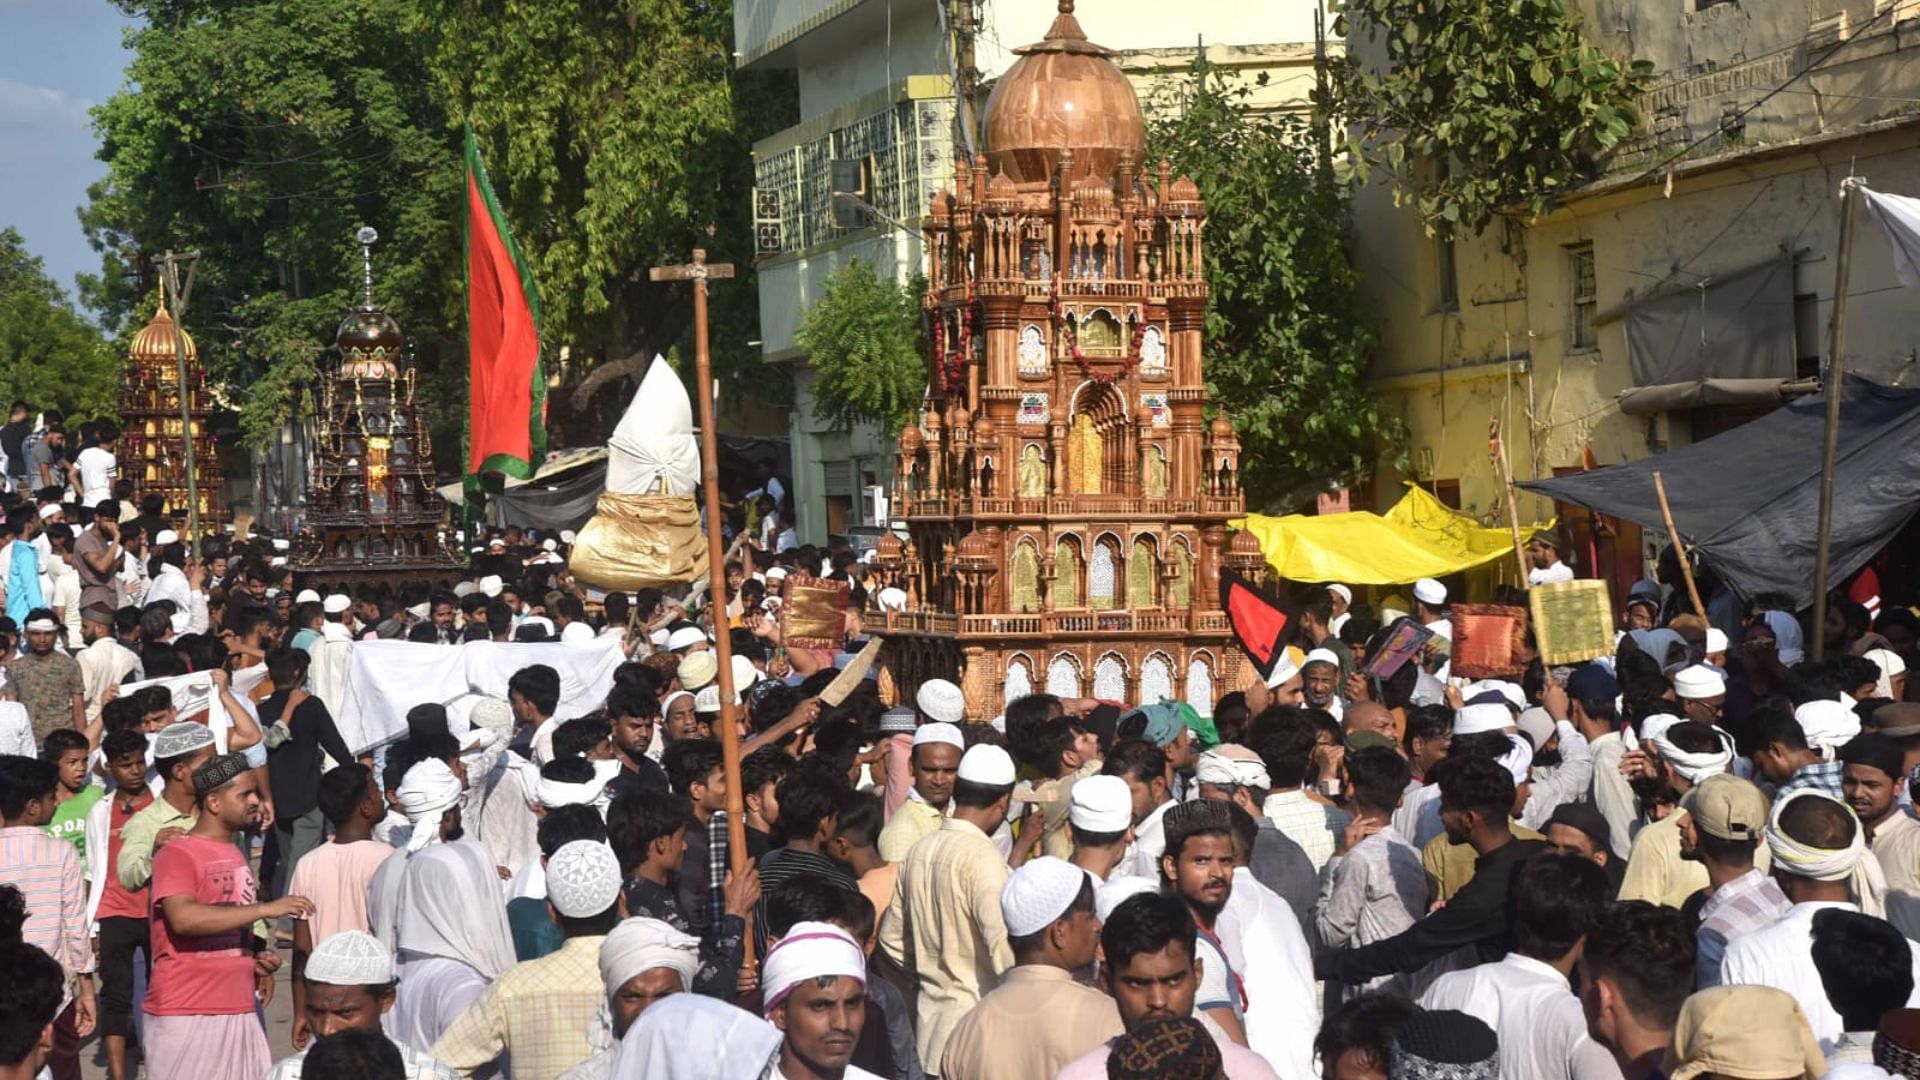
(776, 573)
(1101, 804)
(306, 596)
(1231, 765)
(891, 599)
(1828, 725)
(420, 610)
(549, 544)
(1716, 640)
(744, 675)
(181, 737)
(491, 712)
(1285, 666)
(940, 732)
(427, 790)
(1429, 592)
(335, 604)
(583, 879)
(566, 536)
(659, 638)
(577, 633)
(1509, 692)
(491, 585)
(941, 700)
(639, 945)
(498, 542)
(1321, 656)
(697, 669)
(1890, 665)
(1518, 760)
(1698, 682)
(899, 720)
(1119, 890)
(277, 560)
(540, 623)
(811, 950)
(281, 543)
(162, 538)
(465, 589)
(1039, 893)
(707, 700)
(350, 958)
(50, 510)
(1341, 591)
(987, 765)
(686, 638)
(1474, 719)
(553, 794)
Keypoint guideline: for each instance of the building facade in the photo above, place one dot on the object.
(876, 84)
(1685, 291)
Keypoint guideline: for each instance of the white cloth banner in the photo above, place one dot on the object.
(387, 678)
(1899, 216)
(653, 450)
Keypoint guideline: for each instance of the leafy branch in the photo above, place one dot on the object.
(866, 345)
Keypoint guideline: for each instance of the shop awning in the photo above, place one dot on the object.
(1701, 393)
(1419, 537)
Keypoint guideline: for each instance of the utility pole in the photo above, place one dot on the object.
(170, 277)
(966, 30)
(699, 271)
(1835, 388)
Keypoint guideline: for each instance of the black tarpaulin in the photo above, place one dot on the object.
(1734, 326)
(1749, 499)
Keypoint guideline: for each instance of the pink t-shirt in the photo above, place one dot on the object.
(211, 975)
(335, 877)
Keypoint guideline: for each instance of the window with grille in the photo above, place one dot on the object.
(1580, 330)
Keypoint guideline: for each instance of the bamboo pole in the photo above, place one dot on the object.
(1497, 453)
(1835, 388)
(1679, 545)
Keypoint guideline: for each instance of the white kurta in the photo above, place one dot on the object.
(1531, 1008)
(1781, 956)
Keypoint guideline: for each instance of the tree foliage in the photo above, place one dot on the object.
(1482, 107)
(1288, 334)
(866, 343)
(50, 357)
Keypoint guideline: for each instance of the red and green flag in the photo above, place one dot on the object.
(507, 389)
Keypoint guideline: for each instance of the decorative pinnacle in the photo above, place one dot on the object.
(367, 235)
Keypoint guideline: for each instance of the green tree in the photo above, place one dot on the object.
(866, 344)
(50, 357)
(1289, 337)
(1482, 108)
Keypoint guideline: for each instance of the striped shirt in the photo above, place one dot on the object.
(47, 873)
(1748, 902)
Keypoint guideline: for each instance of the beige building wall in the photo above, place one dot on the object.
(1681, 205)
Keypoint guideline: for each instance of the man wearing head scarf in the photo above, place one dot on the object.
(814, 986)
(1743, 1031)
(642, 962)
(1821, 860)
(429, 796)
(695, 1037)
(538, 1013)
(1683, 753)
(452, 934)
(1874, 772)
(208, 952)
(348, 985)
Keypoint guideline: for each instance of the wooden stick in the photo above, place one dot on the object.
(1679, 545)
(1497, 453)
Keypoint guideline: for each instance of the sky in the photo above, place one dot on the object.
(63, 56)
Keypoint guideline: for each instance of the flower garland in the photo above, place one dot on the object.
(953, 363)
(1070, 331)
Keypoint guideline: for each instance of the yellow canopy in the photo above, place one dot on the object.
(1419, 537)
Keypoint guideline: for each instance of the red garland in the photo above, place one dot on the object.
(953, 363)
(1071, 332)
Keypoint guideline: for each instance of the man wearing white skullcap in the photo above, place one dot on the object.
(687, 640)
(538, 1014)
(1821, 861)
(1100, 820)
(941, 701)
(1320, 674)
(348, 985)
(935, 763)
(814, 986)
(1430, 607)
(944, 923)
(1038, 1018)
(642, 961)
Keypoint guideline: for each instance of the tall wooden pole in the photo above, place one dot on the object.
(1679, 546)
(170, 275)
(1835, 388)
(700, 272)
(1497, 451)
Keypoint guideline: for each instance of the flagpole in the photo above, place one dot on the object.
(1829, 448)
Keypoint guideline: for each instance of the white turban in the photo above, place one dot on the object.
(553, 794)
(1828, 725)
(1890, 664)
(636, 946)
(426, 791)
(810, 950)
(1230, 765)
(1694, 767)
(1474, 719)
(1518, 760)
(1851, 864)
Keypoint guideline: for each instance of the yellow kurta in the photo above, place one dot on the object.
(1038, 1020)
(912, 821)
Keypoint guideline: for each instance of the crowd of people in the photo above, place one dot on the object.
(1690, 858)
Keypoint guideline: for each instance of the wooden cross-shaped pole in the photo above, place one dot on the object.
(699, 271)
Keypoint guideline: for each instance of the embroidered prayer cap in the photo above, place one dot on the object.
(1195, 816)
(1429, 592)
(583, 879)
(1039, 893)
(707, 700)
(1101, 804)
(491, 712)
(181, 737)
(1699, 682)
(988, 766)
(1177, 1046)
(218, 773)
(899, 720)
(350, 958)
(1443, 1044)
(1727, 807)
(699, 669)
(942, 733)
(1897, 1047)
(1743, 1031)
(941, 700)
